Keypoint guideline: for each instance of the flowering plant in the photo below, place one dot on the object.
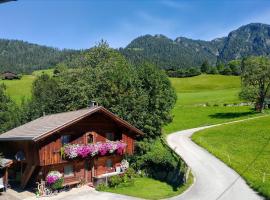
(53, 177)
(72, 151)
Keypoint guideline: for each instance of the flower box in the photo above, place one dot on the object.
(72, 151)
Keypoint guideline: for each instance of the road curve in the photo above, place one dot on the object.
(213, 178)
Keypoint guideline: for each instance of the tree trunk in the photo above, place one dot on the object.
(259, 105)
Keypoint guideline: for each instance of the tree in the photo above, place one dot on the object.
(235, 66)
(9, 112)
(142, 95)
(205, 67)
(226, 71)
(255, 80)
(220, 67)
(161, 98)
(213, 70)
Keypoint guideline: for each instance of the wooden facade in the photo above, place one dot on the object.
(44, 155)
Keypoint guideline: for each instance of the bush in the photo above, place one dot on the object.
(131, 173)
(58, 184)
(101, 187)
(124, 180)
(158, 161)
(114, 181)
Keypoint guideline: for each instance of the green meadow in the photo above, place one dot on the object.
(19, 89)
(244, 146)
(202, 100)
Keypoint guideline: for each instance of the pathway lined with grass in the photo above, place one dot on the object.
(214, 179)
(243, 146)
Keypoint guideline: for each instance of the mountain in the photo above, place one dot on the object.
(23, 57)
(251, 39)
(166, 53)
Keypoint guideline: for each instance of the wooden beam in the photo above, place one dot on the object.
(27, 175)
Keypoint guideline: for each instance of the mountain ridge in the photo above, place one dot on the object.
(166, 53)
(250, 39)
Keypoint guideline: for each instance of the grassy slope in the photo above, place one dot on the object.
(148, 188)
(19, 89)
(206, 89)
(241, 143)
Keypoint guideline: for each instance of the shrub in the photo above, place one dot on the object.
(131, 173)
(101, 187)
(115, 181)
(58, 184)
(158, 161)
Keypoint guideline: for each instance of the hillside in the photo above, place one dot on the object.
(166, 53)
(204, 100)
(21, 89)
(23, 57)
(251, 39)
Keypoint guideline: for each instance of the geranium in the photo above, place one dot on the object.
(53, 177)
(71, 151)
(121, 146)
(75, 150)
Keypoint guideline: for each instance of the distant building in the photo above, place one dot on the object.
(9, 76)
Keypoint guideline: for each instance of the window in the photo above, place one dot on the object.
(68, 171)
(109, 163)
(110, 136)
(65, 139)
(90, 139)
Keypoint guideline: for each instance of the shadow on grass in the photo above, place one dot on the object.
(231, 115)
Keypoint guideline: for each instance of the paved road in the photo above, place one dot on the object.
(96, 196)
(86, 193)
(6, 196)
(212, 177)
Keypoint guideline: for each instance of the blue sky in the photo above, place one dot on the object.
(82, 23)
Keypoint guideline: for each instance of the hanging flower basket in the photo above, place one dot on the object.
(72, 151)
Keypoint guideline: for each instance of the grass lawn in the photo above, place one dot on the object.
(238, 145)
(19, 89)
(148, 188)
(205, 83)
(214, 90)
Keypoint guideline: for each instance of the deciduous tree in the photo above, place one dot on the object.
(255, 80)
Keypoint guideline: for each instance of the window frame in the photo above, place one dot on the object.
(112, 138)
(65, 136)
(93, 137)
(73, 171)
(111, 162)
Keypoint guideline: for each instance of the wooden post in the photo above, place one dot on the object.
(6, 178)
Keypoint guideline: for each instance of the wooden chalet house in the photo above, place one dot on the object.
(35, 147)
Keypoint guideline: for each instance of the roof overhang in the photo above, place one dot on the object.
(97, 109)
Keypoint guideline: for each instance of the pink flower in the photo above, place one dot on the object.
(90, 150)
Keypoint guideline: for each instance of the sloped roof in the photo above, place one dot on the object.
(44, 126)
